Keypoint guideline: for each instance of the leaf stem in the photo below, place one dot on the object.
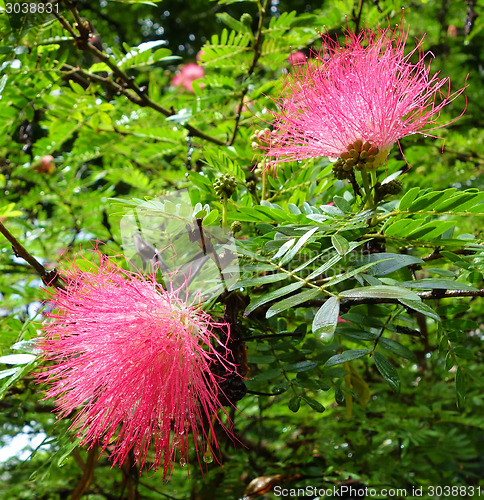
(264, 185)
(366, 184)
(225, 209)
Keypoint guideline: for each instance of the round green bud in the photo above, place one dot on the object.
(225, 185)
(251, 186)
(340, 170)
(392, 187)
(236, 226)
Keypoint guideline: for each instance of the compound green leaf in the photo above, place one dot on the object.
(349, 355)
(292, 301)
(380, 291)
(387, 371)
(273, 295)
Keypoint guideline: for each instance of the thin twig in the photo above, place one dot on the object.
(357, 16)
(48, 277)
(138, 96)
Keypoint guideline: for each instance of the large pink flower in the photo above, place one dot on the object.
(132, 364)
(367, 90)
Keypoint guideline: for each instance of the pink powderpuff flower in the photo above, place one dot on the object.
(188, 74)
(367, 90)
(131, 364)
(296, 58)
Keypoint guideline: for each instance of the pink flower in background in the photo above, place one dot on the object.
(131, 363)
(367, 90)
(297, 57)
(187, 74)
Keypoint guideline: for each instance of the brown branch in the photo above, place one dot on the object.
(88, 474)
(350, 302)
(435, 255)
(431, 294)
(357, 15)
(138, 96)
(78, 459)
(131, 474)
(50, 278)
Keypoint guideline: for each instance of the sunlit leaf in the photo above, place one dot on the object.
(326, 319)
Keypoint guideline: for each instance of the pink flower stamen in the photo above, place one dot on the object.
(132, 363)
(367, 90)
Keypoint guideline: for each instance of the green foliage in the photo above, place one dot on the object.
(364, 324)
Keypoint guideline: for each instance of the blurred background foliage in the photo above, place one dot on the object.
(75, 135)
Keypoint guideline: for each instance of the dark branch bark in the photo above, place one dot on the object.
(128, 88)
(50, 278)
(349, 302)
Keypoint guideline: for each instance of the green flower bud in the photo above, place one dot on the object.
(341, 170)
(225, 185)
(251, 186)
(392, 187)
(236, 226)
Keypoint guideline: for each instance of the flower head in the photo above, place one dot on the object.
(367, 92)
(188, 74)
(132, 363)
(297, 57)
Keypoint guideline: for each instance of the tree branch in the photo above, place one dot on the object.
(137, 95)
(350, 302)
(50, 278)
(431, 294)
(87, 475)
